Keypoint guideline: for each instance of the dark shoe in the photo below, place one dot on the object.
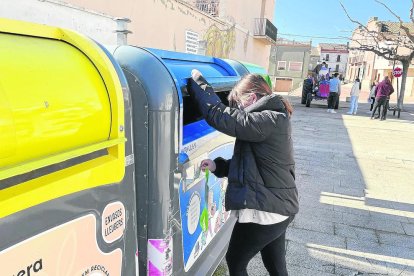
(377, 117)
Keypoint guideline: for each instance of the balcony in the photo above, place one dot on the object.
(264, 30)
(210, 7)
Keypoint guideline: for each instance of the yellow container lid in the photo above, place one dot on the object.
(58, 92)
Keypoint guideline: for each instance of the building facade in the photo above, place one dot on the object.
(290, 63)
(314, 59)
(220, 28)
(335, 55)
(100, 27)
(370, 67)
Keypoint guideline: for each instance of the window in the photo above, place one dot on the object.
(337, 68)
(338, 58)
(327, 57)
(295, 66)
(281, 65)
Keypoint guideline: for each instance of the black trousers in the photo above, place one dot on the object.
(248, 239)
(386, 106)
(332, 99)
(381, 102)
(372, 104)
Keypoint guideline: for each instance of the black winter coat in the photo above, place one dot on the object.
(261, 173)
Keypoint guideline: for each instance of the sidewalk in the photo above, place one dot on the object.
(356, 184)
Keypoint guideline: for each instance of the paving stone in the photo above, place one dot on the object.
(301, 254)
(349, 210)
(408, 272)
(312, 237)
(302, 271)
(397, 216)
(256, 267)
(356, 233)
(367, 221)
(387, 226)
(408, 228)
(364, 221)
(382, 252)
(314, 225)
(349, 191)
(396, 239)
(320, 214)
(358, 264)
(397, 269)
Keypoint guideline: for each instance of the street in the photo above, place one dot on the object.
(355, 178)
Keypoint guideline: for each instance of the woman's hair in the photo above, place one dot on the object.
(288, 106)
(249, 84)
(253, 84)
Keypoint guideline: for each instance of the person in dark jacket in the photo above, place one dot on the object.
(261, 174)
(383, 92)
(318, 68)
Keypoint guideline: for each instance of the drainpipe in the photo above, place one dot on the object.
(262, 9)
(122, 30)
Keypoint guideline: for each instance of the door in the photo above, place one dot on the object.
(283, 85)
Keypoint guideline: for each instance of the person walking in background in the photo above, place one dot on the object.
(334, 93)
(261, 174)
(383, 92)
(372, 95)
(356, 88)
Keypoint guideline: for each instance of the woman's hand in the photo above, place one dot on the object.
(208, 164)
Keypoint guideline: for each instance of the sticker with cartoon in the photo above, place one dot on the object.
(202, 201)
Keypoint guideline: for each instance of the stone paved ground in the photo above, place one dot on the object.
(356, 183)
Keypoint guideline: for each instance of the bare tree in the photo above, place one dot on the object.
(393, 45)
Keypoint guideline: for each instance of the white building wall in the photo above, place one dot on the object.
(97, 26)
(332, 61)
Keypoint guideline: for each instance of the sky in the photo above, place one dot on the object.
(323, 20)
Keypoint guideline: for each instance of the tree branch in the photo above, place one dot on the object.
(369, 40)
(412, 11)
(369, 32)
(386, 53)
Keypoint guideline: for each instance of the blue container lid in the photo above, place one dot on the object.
(217, 72)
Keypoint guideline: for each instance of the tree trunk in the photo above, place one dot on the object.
(406, 65)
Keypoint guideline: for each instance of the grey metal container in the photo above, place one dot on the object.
(85, 208)
(183, 228)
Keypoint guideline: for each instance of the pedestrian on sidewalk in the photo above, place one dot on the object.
(372, 95)
(356, 88)
(334, 93)
(261, 179)
(383, 92)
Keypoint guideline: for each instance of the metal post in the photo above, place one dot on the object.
(122, 30)
(393, 67)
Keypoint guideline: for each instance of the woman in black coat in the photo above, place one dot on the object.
(261, 174)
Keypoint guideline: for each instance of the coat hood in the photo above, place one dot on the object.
(270, 102)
